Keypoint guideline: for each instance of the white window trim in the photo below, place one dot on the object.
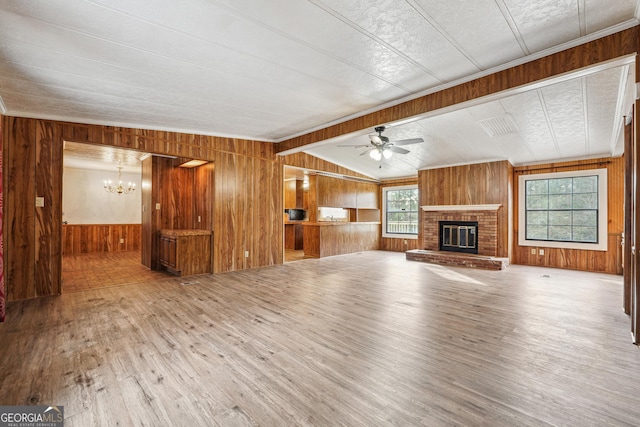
(384, 213)
(602, 211)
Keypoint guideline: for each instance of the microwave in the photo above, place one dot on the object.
(296, 214)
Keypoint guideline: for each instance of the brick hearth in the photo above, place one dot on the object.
(457, 259)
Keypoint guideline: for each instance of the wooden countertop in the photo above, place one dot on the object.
(185, 232)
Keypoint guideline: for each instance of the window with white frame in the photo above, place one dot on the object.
(400, 212)
(563, 210)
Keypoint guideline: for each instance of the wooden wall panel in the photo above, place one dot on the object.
(600, 50)
(477, 184)
(19, 204)
(148, 209)
(203, 202)
(100, 238)
(598, 261)
(48, 259)
(307, 161)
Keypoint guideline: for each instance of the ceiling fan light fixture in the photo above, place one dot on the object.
(375, 154)
(387, 154)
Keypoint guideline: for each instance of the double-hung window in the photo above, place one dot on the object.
(565, 209)
(400, 212)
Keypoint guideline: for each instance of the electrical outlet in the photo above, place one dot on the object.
(533, 251)
(121, 240)
(157, 206)
(199, 218)
(39, 202)
(405, 241)
(246, 254)
(540, 251)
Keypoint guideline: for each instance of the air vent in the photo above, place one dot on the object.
(501, 125)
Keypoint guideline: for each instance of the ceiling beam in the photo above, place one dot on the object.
(607, 48)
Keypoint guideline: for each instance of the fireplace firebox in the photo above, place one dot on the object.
(459, 236)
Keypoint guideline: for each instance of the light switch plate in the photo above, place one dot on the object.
(39, 202)
(157, 206)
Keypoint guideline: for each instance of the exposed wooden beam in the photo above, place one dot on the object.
(613, 46)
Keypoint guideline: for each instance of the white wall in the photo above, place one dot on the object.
(84, 200)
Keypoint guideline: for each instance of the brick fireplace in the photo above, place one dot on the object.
(486, 217)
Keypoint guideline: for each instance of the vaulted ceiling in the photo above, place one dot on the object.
(274, 69)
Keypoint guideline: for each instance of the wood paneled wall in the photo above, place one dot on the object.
(574, 259)
(247, 208)
(393, 244)
(32, 240)
(477, 184)
(606, 48)
(92, 238)
(307, 161)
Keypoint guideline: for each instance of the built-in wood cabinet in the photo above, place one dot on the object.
(346, 193)
(186, 252)
(335, 192)
(293, 236)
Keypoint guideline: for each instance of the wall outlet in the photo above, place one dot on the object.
(405, 241)
(199, 218)
(121, 240)
(540, 251)
(246, 254)
(157, 206)
(39, 202)
(533, 251)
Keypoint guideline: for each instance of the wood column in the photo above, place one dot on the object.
(627, 265)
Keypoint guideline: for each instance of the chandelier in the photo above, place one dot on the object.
(119, 189)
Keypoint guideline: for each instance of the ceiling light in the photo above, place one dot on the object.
(375, 154)
(193, 163)
(387, 154)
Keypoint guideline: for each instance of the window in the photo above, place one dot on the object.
(400, 212)
(566, 210)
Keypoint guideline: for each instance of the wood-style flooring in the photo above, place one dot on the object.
(367, 339)
(100, 270)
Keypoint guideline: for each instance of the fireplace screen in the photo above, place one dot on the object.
(459, 236)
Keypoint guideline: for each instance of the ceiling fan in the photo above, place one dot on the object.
(380, 146)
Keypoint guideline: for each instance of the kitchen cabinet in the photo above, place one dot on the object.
(186, 252)
(293, 236)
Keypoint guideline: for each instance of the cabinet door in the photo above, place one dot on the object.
(368, 195)
(335, 192)
(168, 251)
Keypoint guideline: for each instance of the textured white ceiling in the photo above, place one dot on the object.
(271, 69)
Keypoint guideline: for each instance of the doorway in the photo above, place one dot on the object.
(101, 236)
(296, 202)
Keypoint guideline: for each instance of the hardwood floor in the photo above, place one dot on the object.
(294, 255)
(100, 270)
(366, 339)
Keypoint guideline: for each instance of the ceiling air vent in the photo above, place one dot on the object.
(501, 125)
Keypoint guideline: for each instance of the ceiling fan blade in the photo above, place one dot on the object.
(368, 151)
(408, 141)
(356, 146)
(397, 150)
